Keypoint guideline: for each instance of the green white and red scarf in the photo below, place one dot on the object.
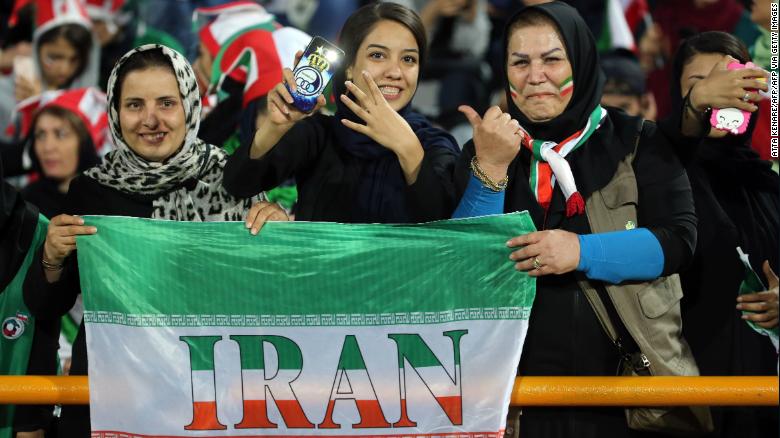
(549, 164)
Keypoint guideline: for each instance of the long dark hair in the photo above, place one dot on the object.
(78, 36)
(363, 21)
(139, 61)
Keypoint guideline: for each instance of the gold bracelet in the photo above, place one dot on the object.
(483, 177)
(51, 266)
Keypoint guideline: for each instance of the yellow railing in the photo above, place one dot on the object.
(528, 391)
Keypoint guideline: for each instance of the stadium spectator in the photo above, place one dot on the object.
(375, 160)
(602, 190)
(159, 170)
(736, 198)
(625, 85)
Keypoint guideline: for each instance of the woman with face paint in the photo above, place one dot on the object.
(614, 210)
(376, 160)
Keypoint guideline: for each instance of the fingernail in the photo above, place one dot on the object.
(744, 317)
(508, 243)
(739, 299)
(348, 83)
(254, 232)
(739, 306)
(248, 224)
(365, 73)
(93, 230)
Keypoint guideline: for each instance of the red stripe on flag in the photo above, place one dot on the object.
(404, 421)
(453, 407)
(255, 416)
(204, 417)
(371, 415)
(493, 434)
(293, 415)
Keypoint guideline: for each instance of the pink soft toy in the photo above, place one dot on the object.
(732, 120)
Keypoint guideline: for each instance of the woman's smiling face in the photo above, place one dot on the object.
(151, 113)
(539, 72)
(389, 53)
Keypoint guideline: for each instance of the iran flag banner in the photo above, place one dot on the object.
(307, 329)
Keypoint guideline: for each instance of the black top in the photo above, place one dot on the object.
(328, 176)
(737, 202)
(564, 336)
(45, 194)
(18, 221)
(50, 301)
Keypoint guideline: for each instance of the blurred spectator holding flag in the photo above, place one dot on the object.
(241, 54)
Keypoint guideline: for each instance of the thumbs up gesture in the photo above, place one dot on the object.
(497, 139)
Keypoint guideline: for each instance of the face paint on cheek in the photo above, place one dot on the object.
(566, 87)
(513, 91)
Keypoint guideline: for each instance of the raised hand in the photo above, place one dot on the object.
(724, 88)
(280, 102)
(497, 139)
(384, 125)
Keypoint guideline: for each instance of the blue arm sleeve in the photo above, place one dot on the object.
(479, 200)
(621, 255)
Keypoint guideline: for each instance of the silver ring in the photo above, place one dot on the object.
(537, 264)
(746, 97)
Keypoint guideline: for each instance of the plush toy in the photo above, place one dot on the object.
(732, 120)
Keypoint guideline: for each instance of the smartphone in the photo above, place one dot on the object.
(24, 67)
(732, 120)
(314, 71)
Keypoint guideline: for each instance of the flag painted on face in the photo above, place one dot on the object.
(567, 86)
(307, 329)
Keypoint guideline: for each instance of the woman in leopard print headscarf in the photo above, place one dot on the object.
(128, 169)
(160, 169)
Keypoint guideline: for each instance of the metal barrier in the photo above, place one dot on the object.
(528, 391)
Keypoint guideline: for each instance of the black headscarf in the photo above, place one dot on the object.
(731, 183)
(380, 193)
(586, 73)
(593, 164)
(731, 156)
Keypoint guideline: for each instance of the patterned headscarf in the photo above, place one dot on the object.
(189, 183)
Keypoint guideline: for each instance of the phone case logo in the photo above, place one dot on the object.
(309, 78)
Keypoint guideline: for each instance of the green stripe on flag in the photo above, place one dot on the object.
(201, 351)
(351, 357)
(299, 270)
(252, 352)
(412, 348)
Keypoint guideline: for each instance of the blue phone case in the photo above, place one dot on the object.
(313, 72)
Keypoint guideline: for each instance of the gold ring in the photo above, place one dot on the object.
(537, 264)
